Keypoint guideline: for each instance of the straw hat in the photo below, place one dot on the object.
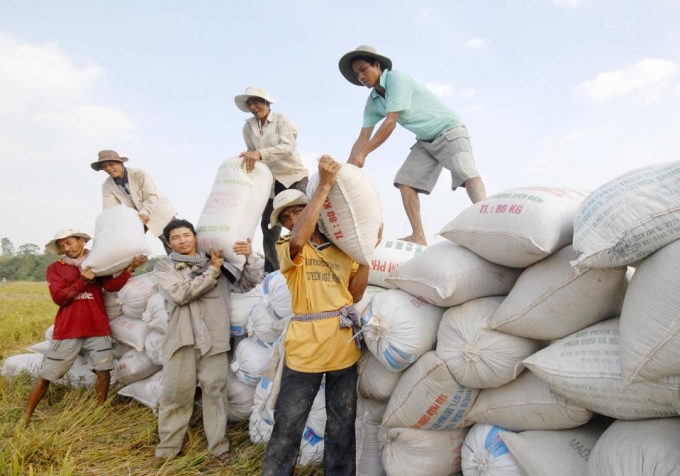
(345, 63)
(283, 200)
(251, 91)
(65, 233)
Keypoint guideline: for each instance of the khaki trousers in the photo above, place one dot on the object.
(181, 373)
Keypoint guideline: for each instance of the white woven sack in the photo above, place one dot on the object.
(276, 295)
(419, 452)
(527, 403)
(134, 365)
(80, 375)
(485, 454)
(478, 357)
(446, 274)
(650, 319)
(637, 448)
(153, 346)
(629, 218)
(263, 325)
(352, 214)
(388, 256)
(146, 391)
(155, 315)
(251, 359)
(40, 347)
(369, 293)
(584, 367)
(240, 306)
(375, 380)
(372, 409)
(112, 304)
(241, 398)
(554, 453)
(48, 332)
(551, 299)
(398, 328)
(118, 237)
(260, 425)
(427, 397)
(517, 227)
(234, 208)
(136, 294)
(131, 332)
(15, 364)
(369, 461)
(119, 349)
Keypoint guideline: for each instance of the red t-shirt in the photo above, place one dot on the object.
(81, 305)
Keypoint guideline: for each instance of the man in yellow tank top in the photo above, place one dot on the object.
(323, 336)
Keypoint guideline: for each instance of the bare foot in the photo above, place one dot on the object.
(420, 240)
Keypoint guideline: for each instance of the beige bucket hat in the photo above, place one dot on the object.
(251, 91)
(283, 200)
(107, 156)
(345, 63)
(65, 233)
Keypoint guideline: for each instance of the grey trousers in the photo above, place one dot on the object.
(181, 373)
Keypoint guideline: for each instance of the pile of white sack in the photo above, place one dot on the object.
(540, 337)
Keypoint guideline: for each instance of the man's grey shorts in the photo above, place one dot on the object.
(450, 150)
(62, 353)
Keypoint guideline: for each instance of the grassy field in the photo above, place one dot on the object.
(70, 435)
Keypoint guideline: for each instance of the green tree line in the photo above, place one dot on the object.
(29, 263)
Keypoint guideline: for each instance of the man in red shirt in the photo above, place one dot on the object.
(81, 323)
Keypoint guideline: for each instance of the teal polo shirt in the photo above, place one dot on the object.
(420, 110)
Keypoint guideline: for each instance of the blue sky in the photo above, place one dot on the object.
(566, 93)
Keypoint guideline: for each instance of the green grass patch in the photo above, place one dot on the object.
(70, 435)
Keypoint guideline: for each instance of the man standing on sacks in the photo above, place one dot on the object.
(442, 140)
(323, 338)
(197, 289)
(271, 137)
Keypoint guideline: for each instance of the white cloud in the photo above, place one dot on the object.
(475, 43)
(653, 78)
(34, 75)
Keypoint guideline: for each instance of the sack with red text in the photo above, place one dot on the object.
(352, 213)
(517, 227)
(387, 257)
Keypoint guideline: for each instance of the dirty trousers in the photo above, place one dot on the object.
(298, 390)
(181, 373)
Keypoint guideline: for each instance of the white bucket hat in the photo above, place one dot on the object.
(251, 91)
(65, 233)
(283, 200)
(345, 63)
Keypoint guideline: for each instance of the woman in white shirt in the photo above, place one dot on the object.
(272, 138)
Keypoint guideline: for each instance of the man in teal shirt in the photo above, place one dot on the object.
(442, 140)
